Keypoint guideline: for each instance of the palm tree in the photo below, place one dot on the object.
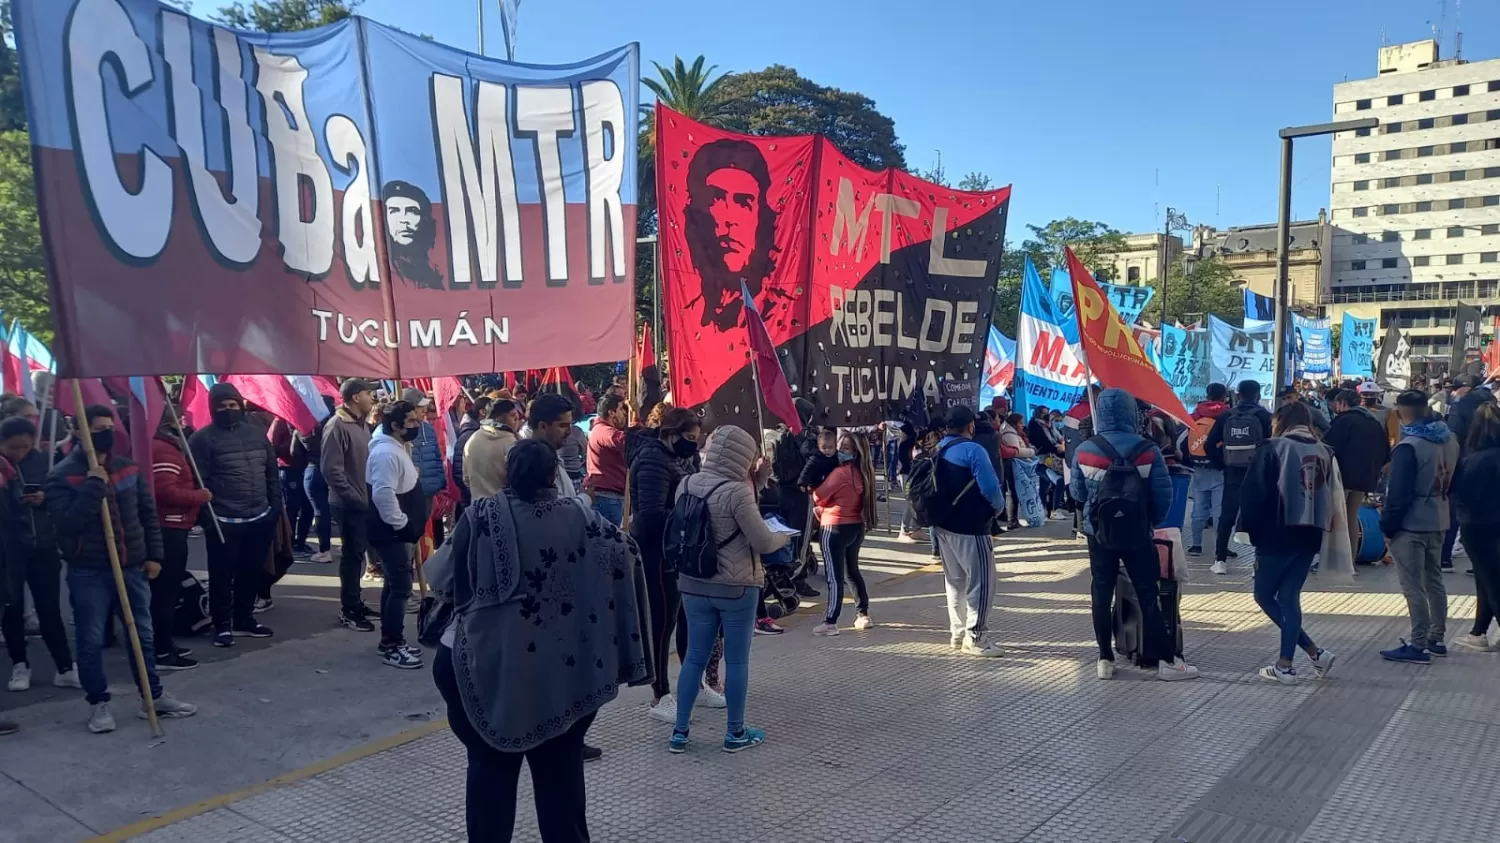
(690, 91)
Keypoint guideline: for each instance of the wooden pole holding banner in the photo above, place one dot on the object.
(188, 452)
(630, 413)
(87, 440)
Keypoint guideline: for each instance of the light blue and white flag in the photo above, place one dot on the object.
(1052, 374)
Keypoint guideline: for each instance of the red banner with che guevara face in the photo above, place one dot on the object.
(876, 287)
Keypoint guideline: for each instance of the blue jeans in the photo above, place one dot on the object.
(92, 593)
(317, 495)
(892, 461)
(705, 616)
(612, 508)
(1278, 589)
(1208, 497)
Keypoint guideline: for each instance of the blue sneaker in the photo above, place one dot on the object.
(747, 738)
(1406, 653)
(679, 742)
(1438, 648)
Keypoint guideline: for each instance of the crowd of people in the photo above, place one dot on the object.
(578, 556)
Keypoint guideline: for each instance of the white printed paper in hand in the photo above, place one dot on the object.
(776, 525)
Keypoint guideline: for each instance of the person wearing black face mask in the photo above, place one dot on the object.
(397, 513)
(238, 466)
(73, 497)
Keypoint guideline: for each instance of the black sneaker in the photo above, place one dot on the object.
(302, 549)
(224, 638)
(1447, 566)
(253, 629)
(183, 652)
(1232, 555)
(592, 753)
(356, 621)
(172, 661)
(367, 613)
(805, 590)
(1195, 550)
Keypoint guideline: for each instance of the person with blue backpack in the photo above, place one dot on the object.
(1122, 482)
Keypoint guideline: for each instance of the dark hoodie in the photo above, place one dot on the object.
(1360, 445)
(653, 476)
(1215, 445)
(238, 463)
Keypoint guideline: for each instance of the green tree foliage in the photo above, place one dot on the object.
(1211, 290)
(1093, 242)
(779, 101)
(12, 107)
(286, 15)
(23, 266)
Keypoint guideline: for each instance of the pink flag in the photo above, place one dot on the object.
(329, 387)
(275, 395)
(773, 385)
(446, 390)
(147, 398)
(193, 403)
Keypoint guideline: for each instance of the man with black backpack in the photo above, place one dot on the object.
(957, 493)
(1230, 447)
(1122, 482)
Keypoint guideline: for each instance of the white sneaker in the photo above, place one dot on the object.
(826, 628)
(401, 658)
(322, 557)
(67, 679)
(1276, 674)
(169, 706)
(262, 604)
(1473, 642)
(664, 709)
(906, 538)
(1176, 671)
(957, 641)
(982, 650)
(1323, 664)
(1220, 567)
(100, 720)
(371, 581)
(1105, 669)
(863, 622)
(20, 678)
(709, 698)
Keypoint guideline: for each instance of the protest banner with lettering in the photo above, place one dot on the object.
(1311, 348)
(1467, 345)
(1240, 355)
(1357, 347)
(999, 366)
(1185, 362)
(1394, 371)
(874, 286)
(1128, 300)
(1052, 374)
(350, 199)
(960, 393)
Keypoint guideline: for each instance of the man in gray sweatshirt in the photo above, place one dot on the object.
(1415, 519)
(345, 451)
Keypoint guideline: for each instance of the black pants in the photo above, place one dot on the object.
(1483, 545)
(841, 546)
(1229, 513)
(664, 603)
(43, 573)
(167, 587)
(794, 506)
(490, 794)
(354, 533)
(236, 567)
(395, 560)
(299, 509)
(1144, 569)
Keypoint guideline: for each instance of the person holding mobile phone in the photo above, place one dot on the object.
(35, 564)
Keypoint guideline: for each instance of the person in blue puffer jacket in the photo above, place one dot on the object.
(1117, 422)
(428, 457)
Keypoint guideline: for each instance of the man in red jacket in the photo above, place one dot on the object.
(178, 500)
(1207, 488)
(606, 458)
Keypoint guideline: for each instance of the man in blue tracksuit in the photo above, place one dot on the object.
(966, 476)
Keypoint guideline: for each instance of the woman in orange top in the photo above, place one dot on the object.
(845, 505)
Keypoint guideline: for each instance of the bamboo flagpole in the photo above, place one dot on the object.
(187, 451)
(87, 441)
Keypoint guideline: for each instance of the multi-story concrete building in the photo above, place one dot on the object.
(1416, 202)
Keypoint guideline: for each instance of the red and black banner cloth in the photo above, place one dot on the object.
(873, 285)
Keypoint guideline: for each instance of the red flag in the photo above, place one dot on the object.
(446, 391)
(329, 387)
(1113, 354)
(274, 394)
(192, 405)
(645, 355)
(773, 385)
(10, 366)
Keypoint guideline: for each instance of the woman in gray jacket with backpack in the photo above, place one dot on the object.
(724, 597)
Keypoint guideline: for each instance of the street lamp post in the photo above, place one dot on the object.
(1284, 225)
(1176, 221)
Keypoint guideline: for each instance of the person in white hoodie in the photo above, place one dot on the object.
(396, 515)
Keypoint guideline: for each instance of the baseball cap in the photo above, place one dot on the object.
(1464, 381)
(1369, 388)
(354, 386)
(415, 397)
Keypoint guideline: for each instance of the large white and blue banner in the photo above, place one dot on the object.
(1357, 347)
(1240, 355)
(1128, 300)
(999, 366)
(1311, 348)
(1185, 362)
(1051, 369)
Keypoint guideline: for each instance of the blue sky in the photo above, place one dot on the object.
(1100, 109)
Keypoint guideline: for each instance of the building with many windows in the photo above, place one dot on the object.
(1415, 203)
